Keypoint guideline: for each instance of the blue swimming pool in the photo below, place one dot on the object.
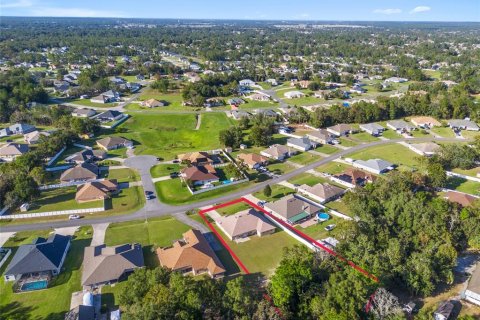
(323, 216)
(36, 285)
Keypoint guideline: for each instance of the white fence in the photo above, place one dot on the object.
(60, 168)
(453, 174)
(5, 257)
(66, 184)
(82, 146)
(55, 157)
(120, 121)
(217, 187)
(51, 213)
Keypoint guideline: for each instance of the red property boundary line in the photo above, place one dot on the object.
(289, 227)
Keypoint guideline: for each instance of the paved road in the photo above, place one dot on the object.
(155, 208)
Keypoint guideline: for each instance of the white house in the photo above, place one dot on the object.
(376, 166)
(373, 128)
(246, 83)
(463, 125)
(302, 144)
(472, 294)
(294, 94)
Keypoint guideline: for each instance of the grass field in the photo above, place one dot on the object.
(280, 167)
(464, 185)
(340, 206)
(278, 191)
(167, 135)
(308, 179)
(332, 168)
(363, 137)
(318, 232)
(162, 170)
(51, 303)
(121, 175)
(472, 172)
(261, 254)
(229, 210)
(172, 192)
(395, 153)
(60, 199)
(445, 132)
(470, 134)
(327, 149)
(390, 134)
(88, 103)
(347, 142)
(304, 158)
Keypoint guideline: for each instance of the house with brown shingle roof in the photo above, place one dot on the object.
(112, 143)
(322, 192)
(252, 160)
(292, 209)
(463, 199)
(244, 224)
(341, 129)
(152, 103)
(278, 152)
(321, 136)
(104, 265)
(200, 175)
(34, 136)
(192, 254)
(195, 158)
(10, 151)
(96, 190)
(82, 172)
(354, 177)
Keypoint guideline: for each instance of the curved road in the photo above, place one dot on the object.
(155, 208)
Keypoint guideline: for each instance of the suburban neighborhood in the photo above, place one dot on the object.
(239, 170)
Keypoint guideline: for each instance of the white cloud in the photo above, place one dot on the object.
(74, 12)
(18, 4)
(387, 11)
(420, 9)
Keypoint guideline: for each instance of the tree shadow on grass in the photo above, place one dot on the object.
(455, 182)
(15, 311)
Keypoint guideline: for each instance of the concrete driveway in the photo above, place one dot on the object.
(99, 231)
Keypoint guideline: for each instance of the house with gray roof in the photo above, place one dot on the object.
(104, 265)
(400, 126)
(17, 128)
(321, 192)
(321, 136)
(266, 112)
(373, 128)
(278, 152)
(472, 294)
(238, 114)
(376, 166)
(302, 144)
(463, 125)
(82, 172)
(341, 129)
(425, 148)
(10, 151)
(43, 256)
(292, 209)
(245, 224)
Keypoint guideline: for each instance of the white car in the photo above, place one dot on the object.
(330, 227)
(73, 217)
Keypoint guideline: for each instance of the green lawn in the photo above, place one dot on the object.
(347, 142)
(332, 167)
(60, 199)
(51, 303)
(390, 134)
(470, 134)
(127, 201)
(227, 211)
(261, 254)
(472, 172)
(88, 103)
(280, 167)
(172, 192)
(303, 101)
(278, 191)
(162, 170)
(158, 232)
(122, 175)
(420, 133)
(340, 206)
(167, 135)
(464, 185)
(363, 137)
(328, 149)
(308, 179)
(305, 158)
(395, 153)
(445, 132)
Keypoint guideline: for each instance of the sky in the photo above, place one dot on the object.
(346, 10)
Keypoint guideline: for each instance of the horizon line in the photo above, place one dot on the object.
(242, 19)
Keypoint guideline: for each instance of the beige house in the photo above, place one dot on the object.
(34, 137)
(425, 148)
(195, 158)
(341, 129)
(322, 136)
(96, 190)
(292, 209)
(244, 224)
(105, 265)
(278, 152)
(322, 192)
(192, 254)
(10, 151)
(152, 103)
(423, 122)
(252, 160)
(82, 172)
(112, 143)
